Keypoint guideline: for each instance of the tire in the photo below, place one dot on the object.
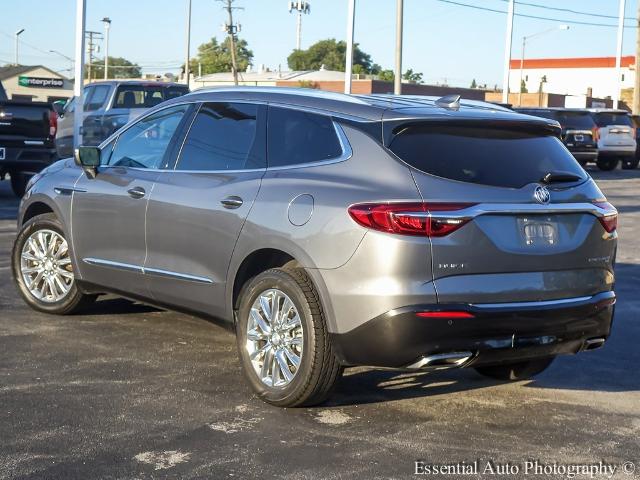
(607, 164)
(630, 163)
(516, 371)
(19, 183)
(318, 368)
(61, 302)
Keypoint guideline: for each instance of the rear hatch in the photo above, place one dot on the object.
(22, 122)
(578, 130)
(615, 129)
(519, 219)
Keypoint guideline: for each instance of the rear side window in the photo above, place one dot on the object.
(487, 156)
(296, 137)
(224, 136)
(145, 96)
(604, 119)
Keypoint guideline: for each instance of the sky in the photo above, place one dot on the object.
(446, 42)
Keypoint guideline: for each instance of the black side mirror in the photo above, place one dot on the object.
(89, 159)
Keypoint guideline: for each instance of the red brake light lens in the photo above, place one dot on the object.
(609, 220)
(445, 314)
(410, 218)
(53, 123)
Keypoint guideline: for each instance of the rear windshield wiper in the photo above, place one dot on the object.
(558, 177)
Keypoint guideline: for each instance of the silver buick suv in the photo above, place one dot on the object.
(331, 230)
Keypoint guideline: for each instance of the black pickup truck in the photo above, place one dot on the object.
(27, 134)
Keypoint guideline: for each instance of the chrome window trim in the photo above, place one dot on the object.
(345, 146)
(158, 272)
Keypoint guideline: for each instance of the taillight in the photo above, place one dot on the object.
(596, 134)
(410, 218)
(445, 314)
(53, 123)
(609, 220)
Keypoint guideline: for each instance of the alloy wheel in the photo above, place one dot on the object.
(274, 338)
(45, 266)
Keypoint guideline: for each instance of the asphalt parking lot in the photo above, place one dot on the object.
(129, 391)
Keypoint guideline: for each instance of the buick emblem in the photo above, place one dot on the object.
(541, 195)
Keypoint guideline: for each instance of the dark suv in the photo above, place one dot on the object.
(578, 130)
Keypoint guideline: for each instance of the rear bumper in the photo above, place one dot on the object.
(608, 152)
(493, 333)
(586, 155)
(27, 160)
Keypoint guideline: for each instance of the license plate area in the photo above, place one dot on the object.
(538, 231)
(579, 138)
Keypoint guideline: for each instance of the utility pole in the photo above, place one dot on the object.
(507, 53)
(91, 48)
(186, 63)
(17, 61)
(232, 29)
(636, 85)
(107, 26)
(616, 95)
(397, 79)
(300, 6)
(351, 20)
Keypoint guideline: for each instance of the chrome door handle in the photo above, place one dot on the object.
(136, 192)
(231, 202)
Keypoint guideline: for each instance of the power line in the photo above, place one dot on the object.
(536, 17)
(568, 10)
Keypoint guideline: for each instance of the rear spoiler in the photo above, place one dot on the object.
(543, 127)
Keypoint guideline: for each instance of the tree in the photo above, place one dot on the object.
(331, 54)
(216, 57)
(411, 76)
(386, 75)
(474, 84)
(118, 68)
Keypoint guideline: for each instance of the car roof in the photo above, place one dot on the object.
(371, 107)
(607, 110)
(135, 82)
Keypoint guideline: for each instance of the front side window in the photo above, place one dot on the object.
(223, 136)
(145, 143)
(96, 98)
(296, 137)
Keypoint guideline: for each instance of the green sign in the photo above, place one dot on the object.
(40, 82)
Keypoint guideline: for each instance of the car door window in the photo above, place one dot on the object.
(296, 137)
(96, 99)
(145, 143)
(224, 136)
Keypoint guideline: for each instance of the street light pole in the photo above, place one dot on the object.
(186, 63)
(616, 94)
(507, 53)
(17, 35)
(107, 26)
(397, 80)
(78, 84)
(351, 20)
(524, 44)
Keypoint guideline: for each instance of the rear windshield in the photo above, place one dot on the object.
(488, 156)
(604, 119)
(577, 120)
(146, 96)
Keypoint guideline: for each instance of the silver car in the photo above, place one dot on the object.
(332, 230)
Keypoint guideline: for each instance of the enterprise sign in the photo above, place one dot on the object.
(40, 82)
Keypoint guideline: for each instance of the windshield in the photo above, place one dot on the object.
(146, 96)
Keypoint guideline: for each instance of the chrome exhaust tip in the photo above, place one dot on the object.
(441, 361)
(593, 344)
